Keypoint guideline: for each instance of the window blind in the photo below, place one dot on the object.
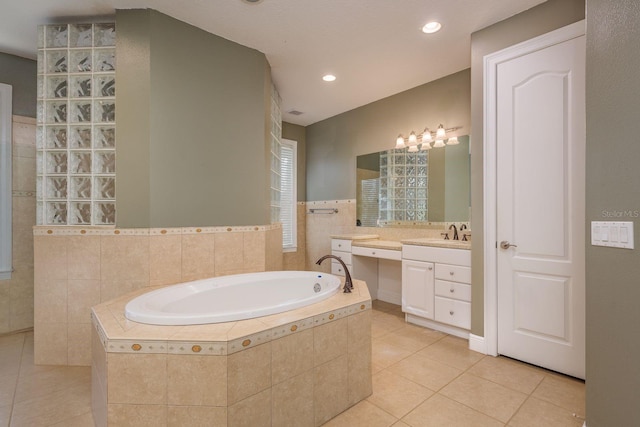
(288, 193)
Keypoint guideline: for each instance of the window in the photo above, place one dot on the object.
(5, 181)
(288, 194)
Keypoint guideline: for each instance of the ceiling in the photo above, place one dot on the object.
(375, 47)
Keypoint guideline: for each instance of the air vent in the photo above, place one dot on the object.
(295, 112)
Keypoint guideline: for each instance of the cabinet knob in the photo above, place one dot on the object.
(451, 312)
(373, 253)
(339, 245)
(451, 273)
(451, 290)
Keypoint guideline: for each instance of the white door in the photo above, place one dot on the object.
(540, 144)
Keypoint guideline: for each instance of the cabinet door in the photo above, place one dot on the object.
(418, 288)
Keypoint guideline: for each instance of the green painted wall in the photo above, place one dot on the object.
(536, 21)
(334, 143)
(613, 189)
(20, 73)
(191, 124)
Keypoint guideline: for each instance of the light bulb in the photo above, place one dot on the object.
(431, 27)
(438, 144)
(426, 136)
(453, 141)
(329, 78)
(413, 140)
(400, 142)
(440, 133)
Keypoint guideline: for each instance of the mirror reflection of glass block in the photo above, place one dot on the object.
(39, 213)
(80, 188)
(105, 60)
(56, 162)
(56, 213)
(422, 182)
(40, 111)
(41, 31)
(422, 158)
(40, 137)
(56, 137)
(80, 213)
(383, 159)
(104, 213)
(398, 215)
(411, 181)
(39, 188)
(104, 137)
(421, 193)
(56, 188)
(105, 188)
(105, 162)
(383, 170)
(80, 61)
(383, 204)
(80, 136)
(40, 90)
(57, 87)
(80, 111)
(105, 34)
(56, 112)
(81, 162)
(41, 62)
(105, 111)
(398, 193)
(410, 204)
(398, 181)
(57, 61)
(80, 86)
(411, 170)
(39, 163)
(421, 171)
(421, 205)
(384, 182)
(411, 158)
(410, 215)
(399, 171)
(421, 215)
(411, 193)
(80, 35)
(57, 35)
(105, 86)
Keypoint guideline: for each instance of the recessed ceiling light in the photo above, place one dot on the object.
(431, 27)
(328, 78)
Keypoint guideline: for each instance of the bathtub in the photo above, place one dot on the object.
(231, 298)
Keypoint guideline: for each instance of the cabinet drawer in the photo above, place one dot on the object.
(454, 273)
(459, 291)
(453, 312)
(377, 253)
(433, 254)
(336, 268)
(344, 256)
(341, 245)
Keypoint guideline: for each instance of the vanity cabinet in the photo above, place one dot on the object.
(341, 248)
(436, 288)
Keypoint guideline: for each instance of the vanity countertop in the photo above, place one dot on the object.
(438, 243)
(379, 244)
(355, 236)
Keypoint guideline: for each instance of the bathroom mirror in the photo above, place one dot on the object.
(398, 188)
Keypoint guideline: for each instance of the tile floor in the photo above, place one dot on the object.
(420, 378)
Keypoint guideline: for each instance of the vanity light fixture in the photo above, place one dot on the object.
(431, 27)
(425, 139)
(329, 78)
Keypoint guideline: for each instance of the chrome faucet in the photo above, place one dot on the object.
(455, 231)
(348, 284)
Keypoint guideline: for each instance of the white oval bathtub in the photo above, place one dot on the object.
(231, 298)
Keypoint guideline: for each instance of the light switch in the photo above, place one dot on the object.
(614, 234)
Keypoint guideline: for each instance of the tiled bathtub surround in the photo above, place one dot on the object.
(16, 294)
(301, 367)
(77, 268)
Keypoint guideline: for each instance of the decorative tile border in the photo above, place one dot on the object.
(16, 193)
(44, 230)
(197, 348)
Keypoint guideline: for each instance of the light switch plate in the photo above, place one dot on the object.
(613, 234)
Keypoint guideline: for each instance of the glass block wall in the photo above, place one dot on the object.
(76, 133)
(403, 186)
(276, 138)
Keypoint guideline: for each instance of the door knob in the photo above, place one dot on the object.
(506, 245)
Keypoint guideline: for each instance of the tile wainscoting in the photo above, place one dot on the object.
(77, 268)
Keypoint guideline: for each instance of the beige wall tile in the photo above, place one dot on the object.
(22, 248)
(330, 389)
(249, 372)
(291, 355)
(21, 301)
(50, 257)
(197, 380)
(24, 173)
(274, 250)
(196, 416)
(82, 295)
(359, 330)
(329, 341)
(165, 259)
(229, 250)
(254, 247)
(50, 301)
(137, 379)
(137, 415)
(79, 344)
(98, 358)
(198, 256)
(83, 257)
(254, 411)
(98, 400)
(359, 360)
(292, 403)
(124, 258)
(50, 341)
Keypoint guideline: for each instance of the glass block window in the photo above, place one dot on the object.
(276, 139)
(76, 134)
(403, 186)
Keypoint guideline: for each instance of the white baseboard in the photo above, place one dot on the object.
(477, 343)
(447, 329)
